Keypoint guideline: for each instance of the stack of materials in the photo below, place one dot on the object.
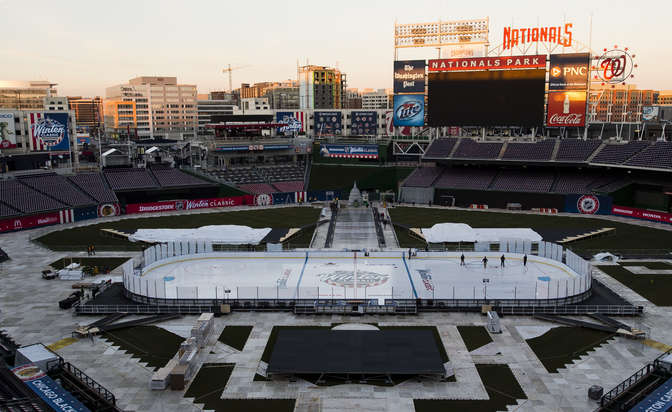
(179, 370)
(71, 272)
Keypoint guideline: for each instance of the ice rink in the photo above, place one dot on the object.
(339, 275)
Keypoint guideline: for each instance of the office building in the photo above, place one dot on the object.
(88, 112)
(164, 109)
(321, 87)
(376, 99)
(25, 95)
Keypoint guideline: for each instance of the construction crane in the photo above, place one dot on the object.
(229, 69)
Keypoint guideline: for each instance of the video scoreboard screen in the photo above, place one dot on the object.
(487, 98)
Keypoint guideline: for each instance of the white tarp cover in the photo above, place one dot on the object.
(218, 234)
(460, 232)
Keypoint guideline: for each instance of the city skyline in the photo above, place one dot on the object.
(97, 47)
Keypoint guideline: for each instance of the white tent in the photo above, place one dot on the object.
(460, 232)
(218, 234)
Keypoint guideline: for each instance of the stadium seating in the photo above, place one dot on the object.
(465, 179)
(130, 179)
(59, 188)
(94, 185)
(6, 211)
(258, 188)
(575, 150)
(296, 186)
(26, 199)
(471, 149)
(423, 176)
(263, 179)
(170, 177)
(574, 182)
(658, 155)
(522, 181)
(619, 153)
(441, 147)
(530, 151)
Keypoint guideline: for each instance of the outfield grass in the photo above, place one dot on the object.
(367, 177)
(649, 265)
(655, 288)
(209, 383)
(625, 237)
(151, 344)
(78, 238)
(474, 336)
(235, 336)
(562, 345)
(500, 383)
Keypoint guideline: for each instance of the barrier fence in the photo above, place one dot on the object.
(537, 290)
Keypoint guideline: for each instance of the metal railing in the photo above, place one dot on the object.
(332, 228)
(622, 387)
(87, 309)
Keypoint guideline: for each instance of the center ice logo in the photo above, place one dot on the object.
(346, 278)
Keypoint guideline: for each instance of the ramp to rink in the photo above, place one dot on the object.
(177, 272)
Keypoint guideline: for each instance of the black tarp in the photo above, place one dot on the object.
(393, 352)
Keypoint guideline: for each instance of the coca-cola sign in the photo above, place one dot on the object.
(566, 109)
(571, 119)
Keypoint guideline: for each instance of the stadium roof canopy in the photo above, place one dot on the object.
(460, 232)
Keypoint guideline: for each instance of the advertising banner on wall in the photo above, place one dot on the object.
(569, 71)
(27, 222)
(566, 109)
(49, 131)
(364, 123)
(7, 133)
(409, 110)
(642, 214)
(328, 123)
(85, 213)
(350, 151)
(588, 204)
(409, 76)
(293, 122)
(108, 209)
(487, 63)
(47, 389)
(650, 113)
(173, 205)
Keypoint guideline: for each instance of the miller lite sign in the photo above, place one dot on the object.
(49, 131)
(566, 109)
(409, 110)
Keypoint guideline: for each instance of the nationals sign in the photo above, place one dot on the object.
(566, 109)
(488, 63)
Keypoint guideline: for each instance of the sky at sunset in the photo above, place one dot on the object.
(85, 46)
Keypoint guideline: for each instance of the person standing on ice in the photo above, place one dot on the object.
(525, 260)
(485, 262)
(502, 259)
(462, 260)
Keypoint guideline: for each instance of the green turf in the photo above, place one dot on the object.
(627, 238)
(474, 336)
(104, 264)
(367, 177)
(151, 344)
(235, 336)
(78, 238)
(562, 345)
(649, 265)
(655, 288)
(210, 381)
(500, 383)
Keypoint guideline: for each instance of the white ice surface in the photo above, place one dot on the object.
(221, 234)
(460, 232)
(332, 275)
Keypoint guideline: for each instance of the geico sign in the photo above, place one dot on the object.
(569, 71)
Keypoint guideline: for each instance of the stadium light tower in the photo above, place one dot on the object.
(229, 69)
